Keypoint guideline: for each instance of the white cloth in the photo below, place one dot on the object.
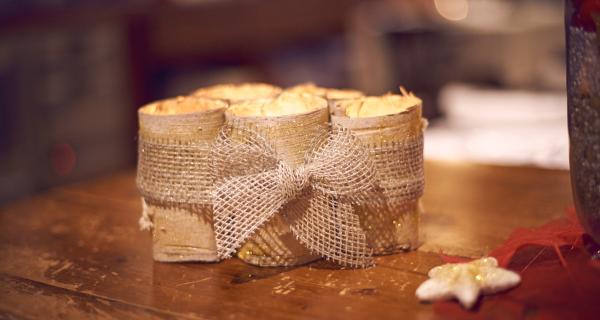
(500, 127)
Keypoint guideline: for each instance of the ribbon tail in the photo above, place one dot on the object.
(241, 205)
(330, 228)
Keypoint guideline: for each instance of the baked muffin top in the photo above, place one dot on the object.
(182, 105)
(376, 106)
(327, 93)
(238, 92)
(287, 103)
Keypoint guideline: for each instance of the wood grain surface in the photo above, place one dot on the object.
(76, 252)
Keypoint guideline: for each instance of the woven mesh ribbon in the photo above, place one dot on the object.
(252, 185)
(173, 157)
(395, 143)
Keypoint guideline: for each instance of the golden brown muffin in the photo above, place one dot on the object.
(327, 93)
(382, 105)
(285, 104)
(234, 93)
(180, 105)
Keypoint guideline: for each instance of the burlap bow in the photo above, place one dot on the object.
(252, 186)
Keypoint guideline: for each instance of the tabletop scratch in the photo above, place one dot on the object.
(66, 265)
(192, 282)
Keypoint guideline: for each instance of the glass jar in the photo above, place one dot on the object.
(582, 27)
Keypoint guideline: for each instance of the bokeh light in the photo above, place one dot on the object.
(453, 10)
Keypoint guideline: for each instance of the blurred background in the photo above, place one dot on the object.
(73, 72)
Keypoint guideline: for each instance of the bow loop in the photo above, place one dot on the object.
(292, 181)
(243, 204)
(340, 166)
(246, 195)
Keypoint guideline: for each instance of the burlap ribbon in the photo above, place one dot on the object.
(173, 158)
(252, 185)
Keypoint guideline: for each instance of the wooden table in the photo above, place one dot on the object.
(76, 252)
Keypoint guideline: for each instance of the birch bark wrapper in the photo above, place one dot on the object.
(274, 244)
(395, 142)
(174, 178)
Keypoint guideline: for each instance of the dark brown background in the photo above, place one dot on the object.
(73, 73)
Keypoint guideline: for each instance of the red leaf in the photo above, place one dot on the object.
(559, 279)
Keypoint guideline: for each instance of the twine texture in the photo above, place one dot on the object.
(318, 195)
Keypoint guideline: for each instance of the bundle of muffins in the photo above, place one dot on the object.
(281, 177)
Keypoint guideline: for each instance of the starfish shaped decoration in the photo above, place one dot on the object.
(465, 281)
